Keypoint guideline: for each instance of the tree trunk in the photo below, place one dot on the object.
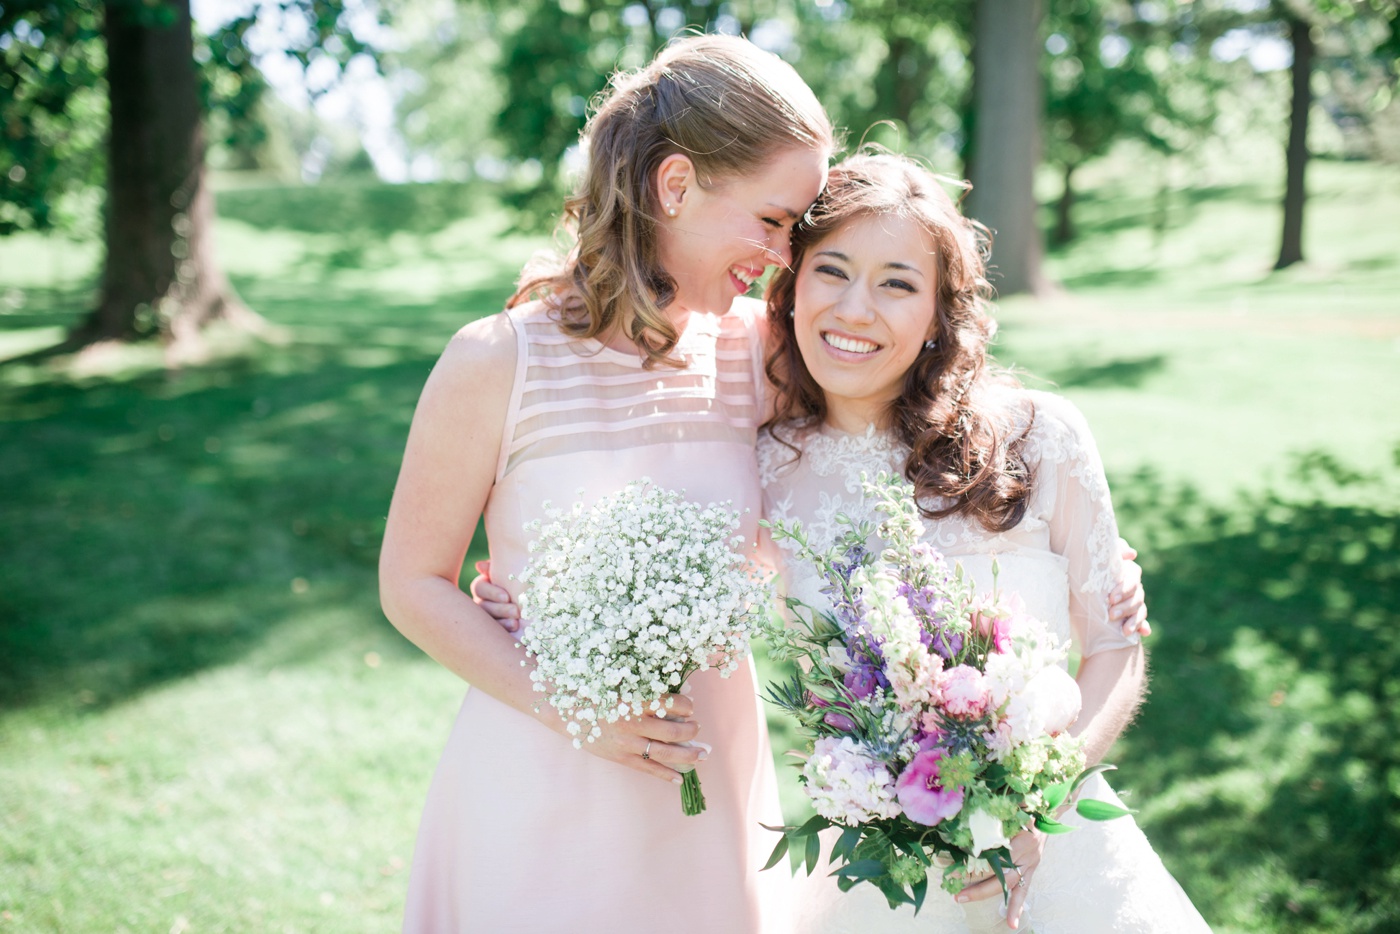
(1295, 194)
(1006, 94)
(1064, 222)
(160, 276)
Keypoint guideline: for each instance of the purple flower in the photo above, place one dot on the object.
(861, 681)
(947, 644)
(839, 721)
(924, 798)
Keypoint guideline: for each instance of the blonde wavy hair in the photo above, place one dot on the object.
(720, 100)
(966, 434)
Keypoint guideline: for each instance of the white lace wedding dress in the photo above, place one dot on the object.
(1062, 558)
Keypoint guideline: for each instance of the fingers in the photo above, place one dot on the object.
(675, 707)
(1128, 551)
(1019, 889)
(483, 591)
(986, 888)
(1137, 624)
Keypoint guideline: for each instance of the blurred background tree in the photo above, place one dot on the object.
(160, 274)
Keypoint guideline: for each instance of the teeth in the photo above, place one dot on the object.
(744, 276)
(849, 345)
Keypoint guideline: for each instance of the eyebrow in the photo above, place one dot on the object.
(786, 210)
(846, 259)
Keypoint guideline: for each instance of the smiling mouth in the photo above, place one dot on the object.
(849, 344)
(745, 275)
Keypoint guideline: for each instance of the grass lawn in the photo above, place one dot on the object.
(207, 725)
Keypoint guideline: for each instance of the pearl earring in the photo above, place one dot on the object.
(670, 210)
(931, 344)
(792, 312)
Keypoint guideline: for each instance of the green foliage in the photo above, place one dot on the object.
(52, 109)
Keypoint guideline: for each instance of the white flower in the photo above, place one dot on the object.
(987, 832)
(629, 596)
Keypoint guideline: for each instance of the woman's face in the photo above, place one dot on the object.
(724, 236)
(864, 306)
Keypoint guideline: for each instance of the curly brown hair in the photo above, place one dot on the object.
(720, 100)
(966, 435)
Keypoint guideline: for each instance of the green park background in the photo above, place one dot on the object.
(206, 724)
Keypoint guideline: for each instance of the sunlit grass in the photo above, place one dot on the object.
(206, 724)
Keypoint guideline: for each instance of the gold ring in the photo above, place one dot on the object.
(1021, 883)
(646, 753)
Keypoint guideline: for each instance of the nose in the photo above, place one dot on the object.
(852, 305)
(780, 245)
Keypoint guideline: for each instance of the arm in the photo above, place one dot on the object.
(1112, 684)
(447, 475)
(1111, 675)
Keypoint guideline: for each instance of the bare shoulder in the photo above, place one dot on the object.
(474, 376)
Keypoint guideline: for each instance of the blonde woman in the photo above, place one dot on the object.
(630, 356)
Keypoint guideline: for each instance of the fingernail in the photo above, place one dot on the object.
(962, 898)
(685, 689)
(704, 749)
(677, 780)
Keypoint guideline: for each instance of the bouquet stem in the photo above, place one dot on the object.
(692, 798)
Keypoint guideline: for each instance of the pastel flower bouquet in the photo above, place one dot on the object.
(937, 717)
(629, 597)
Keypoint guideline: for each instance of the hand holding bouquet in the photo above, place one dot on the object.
(937, 717)
(628, 597)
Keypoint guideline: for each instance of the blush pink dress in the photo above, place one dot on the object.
(523, 832)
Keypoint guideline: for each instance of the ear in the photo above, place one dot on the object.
(674, 176)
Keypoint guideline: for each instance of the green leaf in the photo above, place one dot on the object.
(920, 892)
(779, 852)
(1055, 795)
(815, 824)
(814, 852)
(1100, 810)
(861, 869)
(1050, 825)
(1090, 773)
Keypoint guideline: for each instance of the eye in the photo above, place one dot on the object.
(827, 269)
(773, 222)
(899, 284)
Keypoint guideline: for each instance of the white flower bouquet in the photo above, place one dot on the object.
(627, 598)
(938, 718)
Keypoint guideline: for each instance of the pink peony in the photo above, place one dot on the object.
(964, 692)
(922, 796)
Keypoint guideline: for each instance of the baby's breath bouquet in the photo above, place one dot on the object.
(627, 598)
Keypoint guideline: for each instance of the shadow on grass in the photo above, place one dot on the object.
(159, 525)
(1128, 372)
(1275, 704)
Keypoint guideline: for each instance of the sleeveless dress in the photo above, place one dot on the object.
(1062, 559)
(522, 832)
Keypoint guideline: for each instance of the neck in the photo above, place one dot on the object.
(616, 337)
(856, 419)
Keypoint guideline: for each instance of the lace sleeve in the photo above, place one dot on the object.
(1082, 525)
